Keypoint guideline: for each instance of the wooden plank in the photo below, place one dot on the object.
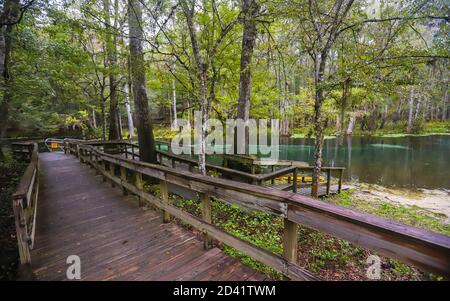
(275, 261)
(112, 171)
(290, 241)
(165, 197)
(114, 240)
(139, 185)
(123, 177)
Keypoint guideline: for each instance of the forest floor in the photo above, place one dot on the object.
(10, 174)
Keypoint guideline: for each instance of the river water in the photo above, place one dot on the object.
(407, 162)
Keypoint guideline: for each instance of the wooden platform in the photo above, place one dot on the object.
(80, 215)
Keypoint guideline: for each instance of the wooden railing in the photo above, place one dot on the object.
(286, 169)
(25, 199)
(427, 250)
(292, 173)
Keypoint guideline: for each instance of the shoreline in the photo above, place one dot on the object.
(395, 135)
(436, 201)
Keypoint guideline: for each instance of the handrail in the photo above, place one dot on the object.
(251, 178)
(427, 250)
(24, 201)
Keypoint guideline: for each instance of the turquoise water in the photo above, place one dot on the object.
(410, 162)
(407, 162)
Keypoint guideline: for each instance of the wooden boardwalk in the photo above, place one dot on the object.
(80, 215)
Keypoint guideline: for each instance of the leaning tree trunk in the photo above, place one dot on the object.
(146, 140)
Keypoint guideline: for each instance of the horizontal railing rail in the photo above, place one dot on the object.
(427, 250)
(292, 173)
(25, 198)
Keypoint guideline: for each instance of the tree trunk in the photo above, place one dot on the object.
(318, 147)
(425, 109)
(174, 106)
(9, 16)
(411, 112)
(202, 69)
(416, 113)
(103, 109)
(250, 10)
(94, 119)
(111, 53)
(351, 125)
(119, 114)
(129, 114)
(318, 126)
(385, 117)
(345, 90)
(146, 140)
(445, 104)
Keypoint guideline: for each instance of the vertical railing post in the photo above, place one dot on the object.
(123, 178)
(290, 241)
(112, 172)
(165, 198)
(205, 200)
(341, 173)
(272, 181)
(295, 185)
(78, 152)
(91, 161)
(328, 182)
(21, 230)
(97, 166)
(139, 185)
(173, 162)
(132, 151)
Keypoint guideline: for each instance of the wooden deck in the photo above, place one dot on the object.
(80, 215)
